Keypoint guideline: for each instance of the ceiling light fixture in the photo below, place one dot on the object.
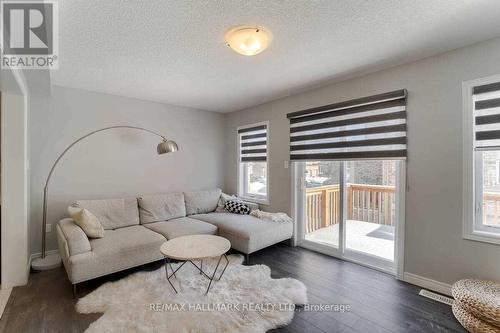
(248, 40)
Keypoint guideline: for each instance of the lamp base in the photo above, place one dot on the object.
(50, 261)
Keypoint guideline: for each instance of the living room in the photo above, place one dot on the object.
(247, 166)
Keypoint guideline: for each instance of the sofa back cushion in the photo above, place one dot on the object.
(201, 202)
(113, 213)
(161, 207)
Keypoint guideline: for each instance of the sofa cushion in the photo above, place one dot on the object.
(248, 233)
(113, 213)
(200, 202)
(118, 250)
(181, 227)
(161, 207)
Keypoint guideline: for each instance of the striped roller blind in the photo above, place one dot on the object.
(368, 127)
(487, 116)
(253, 143)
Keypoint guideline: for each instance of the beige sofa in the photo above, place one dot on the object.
(135, 228)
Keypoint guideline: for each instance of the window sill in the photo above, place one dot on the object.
(482, 236)
(255, 200)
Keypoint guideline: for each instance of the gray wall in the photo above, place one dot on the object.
(119, 162)
(434, 245)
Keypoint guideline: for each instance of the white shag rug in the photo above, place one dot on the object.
(245, 300)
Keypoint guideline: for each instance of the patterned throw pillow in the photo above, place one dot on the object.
(237, 207)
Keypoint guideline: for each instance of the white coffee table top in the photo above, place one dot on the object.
(195, 247)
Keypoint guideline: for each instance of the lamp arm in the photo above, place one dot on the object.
(46, 187)
(89, 134)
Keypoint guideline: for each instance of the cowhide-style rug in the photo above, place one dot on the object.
(246, 299)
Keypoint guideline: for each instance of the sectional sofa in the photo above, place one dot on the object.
(135, 228)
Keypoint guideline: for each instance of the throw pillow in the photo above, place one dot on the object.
(87, 221)
(222, 202)
(237, 207)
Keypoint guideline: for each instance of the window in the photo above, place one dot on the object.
(482, 160)
(253, 172)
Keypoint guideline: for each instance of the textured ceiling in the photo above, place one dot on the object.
(173, 51)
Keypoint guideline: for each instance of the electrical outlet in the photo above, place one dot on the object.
(286, 164)
(48, 228)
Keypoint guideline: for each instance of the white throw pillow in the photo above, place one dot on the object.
(87, 221)
(222, 202)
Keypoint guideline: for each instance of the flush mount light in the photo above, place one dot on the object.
(248, 40)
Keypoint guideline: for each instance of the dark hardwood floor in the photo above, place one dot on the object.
(379, 302)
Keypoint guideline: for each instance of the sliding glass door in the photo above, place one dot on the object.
(350, 209)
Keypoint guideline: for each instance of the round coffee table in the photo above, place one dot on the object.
(195, 248)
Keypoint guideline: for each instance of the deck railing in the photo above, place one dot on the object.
(322, 207)
(367, 203)
(371, 203)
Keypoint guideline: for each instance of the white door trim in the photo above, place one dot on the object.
(15, 184)
(399, 245)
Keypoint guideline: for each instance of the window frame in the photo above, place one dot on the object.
(242, 169)
(472, 225)
(497, 173)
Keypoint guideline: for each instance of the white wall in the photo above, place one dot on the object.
(120, 162)
(434, 245)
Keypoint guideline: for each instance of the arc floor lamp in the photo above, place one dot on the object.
(54, 260)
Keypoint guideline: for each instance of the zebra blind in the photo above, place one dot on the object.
(368, 127)
(487, 116)
(253, 143)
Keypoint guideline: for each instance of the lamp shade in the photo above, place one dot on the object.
(167, 146)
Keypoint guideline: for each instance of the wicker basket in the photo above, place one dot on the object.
(479, 298)
(471, 323)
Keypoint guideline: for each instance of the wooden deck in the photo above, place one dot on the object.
(372, 238)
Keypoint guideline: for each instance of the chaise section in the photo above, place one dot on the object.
(119, 249)
(181, 227)
(247, 233)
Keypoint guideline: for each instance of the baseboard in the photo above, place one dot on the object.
(437, 286)
(38, 255)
